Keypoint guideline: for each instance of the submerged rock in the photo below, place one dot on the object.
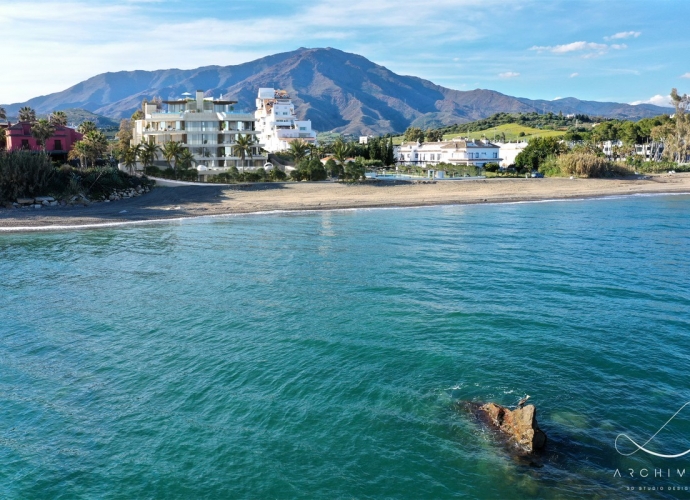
(517, 427)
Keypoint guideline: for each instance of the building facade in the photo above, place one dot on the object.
(457, 152)
(508, 151)
(18, 136)
(276, 122)
(209, 128)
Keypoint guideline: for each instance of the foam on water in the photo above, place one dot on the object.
(75, 227)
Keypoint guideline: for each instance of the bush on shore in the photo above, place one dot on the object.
(584, 165)
(26, 174)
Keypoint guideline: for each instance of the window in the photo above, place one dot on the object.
(58, 145)
(495, 155)
(25, 144)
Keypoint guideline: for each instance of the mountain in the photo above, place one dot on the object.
(336, 90)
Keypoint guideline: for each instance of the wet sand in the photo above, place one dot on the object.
(195, 201)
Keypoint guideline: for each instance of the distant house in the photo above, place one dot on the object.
(457, 151)
(509, 151)
(58, 145)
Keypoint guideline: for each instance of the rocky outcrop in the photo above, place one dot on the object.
(517, 427)
(77, 200)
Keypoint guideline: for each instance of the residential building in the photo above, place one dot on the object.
(58, 145)
(208, 127)
(457, 151)
(508, 151)
(276, 122)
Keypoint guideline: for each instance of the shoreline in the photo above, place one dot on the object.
(177, 204)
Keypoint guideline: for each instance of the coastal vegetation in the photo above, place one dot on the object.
(31, 173)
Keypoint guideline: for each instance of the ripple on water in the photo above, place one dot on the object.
(321, 354)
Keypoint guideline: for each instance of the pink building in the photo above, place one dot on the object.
(58, 145)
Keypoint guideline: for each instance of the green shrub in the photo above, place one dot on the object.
(277, 175)
(550, 168)
(309, 170)
(152, 171)
(333, 168)
(491, 167)
(655, 167)
(24, 173)
(354, 171)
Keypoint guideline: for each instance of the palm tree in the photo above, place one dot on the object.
(149, 153)
(172, 152)
(298, 150)
(96, 144)
(243, 147)
(58, 118)
(86, 127)
(79, 152)
(3, 113)
(341, 151)
(186, 158)
(316, 151)
(42, 130)
(129, 158)
(26, 114)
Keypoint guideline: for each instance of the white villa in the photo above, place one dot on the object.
(206, 126)
(457, 151)
(508, 151)
(277, 123)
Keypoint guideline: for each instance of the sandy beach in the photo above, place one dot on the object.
(195, 201)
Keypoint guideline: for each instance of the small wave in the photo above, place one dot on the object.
(100, 225)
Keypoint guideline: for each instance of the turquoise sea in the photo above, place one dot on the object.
(322, 354)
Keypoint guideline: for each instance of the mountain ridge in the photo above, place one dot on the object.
(338, 91)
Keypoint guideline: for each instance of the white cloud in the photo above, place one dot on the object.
(509, 74)
(589, 49)
(685, 75)
(150, 35)
(623, 34)
(573, 75)
(657, 100)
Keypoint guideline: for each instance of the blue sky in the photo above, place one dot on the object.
(608, 50)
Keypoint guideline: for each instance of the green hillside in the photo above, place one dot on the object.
(511, 130)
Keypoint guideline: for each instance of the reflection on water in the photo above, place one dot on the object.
(322, 354)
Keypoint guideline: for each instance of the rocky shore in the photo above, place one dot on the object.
(39, 202)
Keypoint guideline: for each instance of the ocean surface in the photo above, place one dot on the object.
(323, 354)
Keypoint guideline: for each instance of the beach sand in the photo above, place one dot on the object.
(194, 201)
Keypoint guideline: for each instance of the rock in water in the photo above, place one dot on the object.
(519, 427)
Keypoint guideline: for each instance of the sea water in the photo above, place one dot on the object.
(321, 355)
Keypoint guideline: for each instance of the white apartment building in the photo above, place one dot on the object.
(457, 151)
(277, 123)
(508, 151)
(208, 127)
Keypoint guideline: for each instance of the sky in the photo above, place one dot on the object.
(606, 50)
